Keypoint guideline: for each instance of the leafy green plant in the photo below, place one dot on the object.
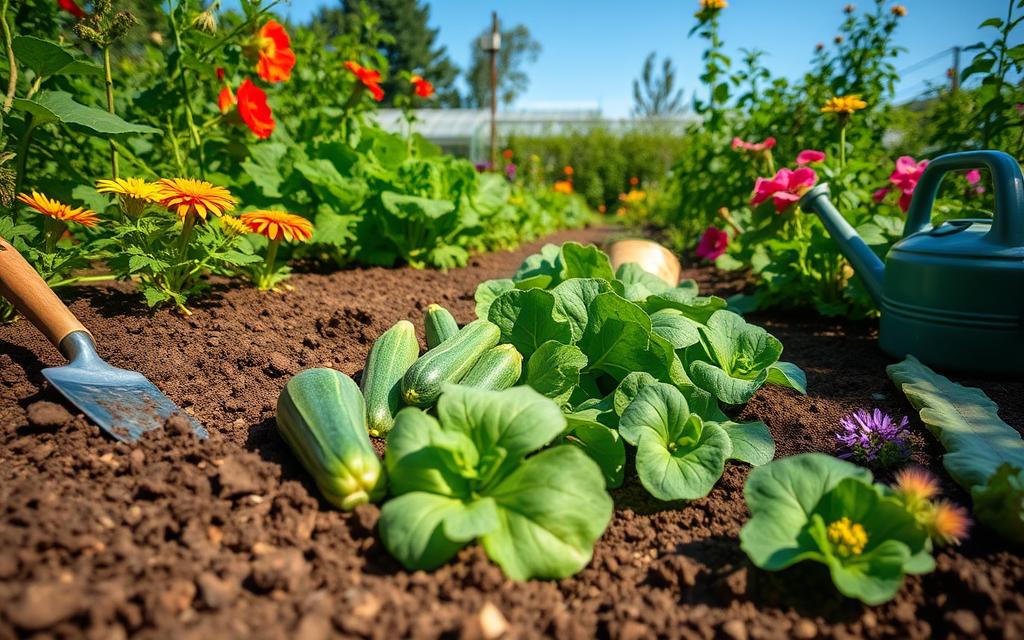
(985, 455)
(815, 507)
(595, 340)
(473, 474)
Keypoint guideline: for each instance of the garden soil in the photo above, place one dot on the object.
(227, 538)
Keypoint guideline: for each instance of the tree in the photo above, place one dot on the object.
(517, 49)
(656, 95)
(414, 48)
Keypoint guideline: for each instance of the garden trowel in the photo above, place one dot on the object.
(124, 403)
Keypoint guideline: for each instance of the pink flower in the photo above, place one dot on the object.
(973, 176)
(807, 156)
(905, 176)
(712, 244)
(755, 147)
(879, 195)
(785, 188)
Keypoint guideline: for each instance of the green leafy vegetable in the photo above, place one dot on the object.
(986, 455)
(469, 475)
(815, 507)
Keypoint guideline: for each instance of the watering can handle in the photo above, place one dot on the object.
(1008, 221)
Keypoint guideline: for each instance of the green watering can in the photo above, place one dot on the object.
(951, 295)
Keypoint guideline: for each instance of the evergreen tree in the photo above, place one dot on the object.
(517, 49)
(656, 95)
(414, 47)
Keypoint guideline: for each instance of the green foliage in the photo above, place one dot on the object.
(985, 455)
(815, 507)
(473, 474)
(595, 342)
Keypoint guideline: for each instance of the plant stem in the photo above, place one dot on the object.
(175, 279)
(109, 84)
(23, 146)
(173, 137)
(12, 80)
(842, 146)
(268, 264)
(186, 96)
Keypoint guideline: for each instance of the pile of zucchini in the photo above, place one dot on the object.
(327, 420)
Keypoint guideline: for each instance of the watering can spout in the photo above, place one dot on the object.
(864, 261)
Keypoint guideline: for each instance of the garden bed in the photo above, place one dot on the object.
(228, 537)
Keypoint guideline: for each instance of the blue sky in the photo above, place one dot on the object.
(593, 49)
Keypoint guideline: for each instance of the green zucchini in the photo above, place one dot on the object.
(448, 362)
(439, 325)
(498, 369)
(322, 417)
(390, 357)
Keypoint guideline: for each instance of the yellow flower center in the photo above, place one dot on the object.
(847, 538)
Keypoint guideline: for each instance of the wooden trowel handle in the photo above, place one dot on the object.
(33, 298)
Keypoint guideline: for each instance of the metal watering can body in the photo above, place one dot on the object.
(952, 295)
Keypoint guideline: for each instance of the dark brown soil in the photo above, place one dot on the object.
(227, 538)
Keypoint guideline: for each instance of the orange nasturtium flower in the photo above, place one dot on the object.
(71, 7)
(422, 87)
(369, 77)
(568, 171)
(275, 225)
(255, 112)
(275, 51)
(226, 99)
(58, 210)
(134, 193)
(187, 196)
(562, 186)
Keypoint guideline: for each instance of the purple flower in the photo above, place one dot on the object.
(874, 438)
(483, 166)
(510, 172)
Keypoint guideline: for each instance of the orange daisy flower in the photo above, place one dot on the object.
(275, 225)
(275, 51)
(187, 195)
(58, 210)
(562, 186)
(369, 78)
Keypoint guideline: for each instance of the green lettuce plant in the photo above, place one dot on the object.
(816, 507)
(473, 474)
(985, 455)
(594, 339)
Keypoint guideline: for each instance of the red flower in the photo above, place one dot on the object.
(507, 154)
(810, 156)
(712, 244)
(275, 50)
(252, 106)
(755, 147)
(785, 188)
(369, 78)
(71, 7)
(422, 87)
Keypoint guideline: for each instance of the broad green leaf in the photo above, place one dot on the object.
(540, 269)
(528, 319)
(487, 292)
(264, 167)
(733, 359)
(618, 340)
(423, 457)
(554, 370)
(781, 497)
(985, 455)
(573, 298)
(639, 283)
(516, 421)
(585, 261)
(415, 208)
(604, 446)
(752, 442)
(679, 457)
(58, 106)
(723, 386)
(685, 300)
(787, 374)
(47, 58)
(552, 509)
(680, 331)
(412, 528)
(629, 388)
